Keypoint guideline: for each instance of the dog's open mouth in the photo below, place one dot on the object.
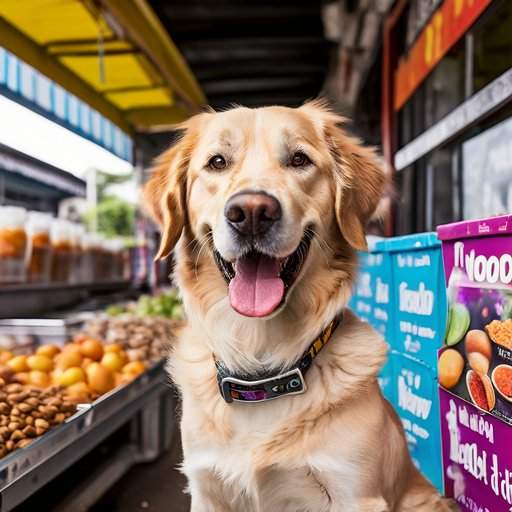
(258, 283)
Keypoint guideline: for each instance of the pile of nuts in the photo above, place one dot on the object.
(28, 412)
(144, 339)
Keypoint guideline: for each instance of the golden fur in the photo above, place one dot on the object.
(339, 446)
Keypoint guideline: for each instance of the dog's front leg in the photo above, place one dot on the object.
(207, 493)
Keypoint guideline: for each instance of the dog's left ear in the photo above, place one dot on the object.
(360, 182)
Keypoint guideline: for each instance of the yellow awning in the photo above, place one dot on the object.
(113, 54)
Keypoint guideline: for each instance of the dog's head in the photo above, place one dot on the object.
(269, 196)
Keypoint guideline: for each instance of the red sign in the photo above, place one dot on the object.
(445, 28)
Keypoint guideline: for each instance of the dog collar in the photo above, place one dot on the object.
(242, 388)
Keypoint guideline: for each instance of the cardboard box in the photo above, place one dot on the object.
(477, 460)
(372, 300)
(419, 296)
(476, 364)
(417, 403)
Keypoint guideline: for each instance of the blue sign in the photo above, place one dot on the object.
(417, 404)
(419, 296)
(372, 296)
(24, 84)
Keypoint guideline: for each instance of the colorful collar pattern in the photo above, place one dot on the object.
(242, 388)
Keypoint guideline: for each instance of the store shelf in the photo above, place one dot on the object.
(25, 471)
(31, 299)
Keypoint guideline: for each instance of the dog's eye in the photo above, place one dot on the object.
(299, 159)
(217, 162)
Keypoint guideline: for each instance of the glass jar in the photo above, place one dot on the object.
(38, 231)
(13, 245)
(77, 253)
(60, 235)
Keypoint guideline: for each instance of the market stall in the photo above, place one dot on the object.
(69, 383)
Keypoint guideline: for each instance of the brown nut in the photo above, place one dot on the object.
(17, 435)
(25, 408)
(33, 401)
(29, 431)
(14, 425)
(4, 408)
(48, 411)
(54, 401)
(59, 418)
(22, 443)
(9, 445)
(3, 450)
(15, 398)
(30, 420)
(41, 423)
(40, 431)
(5, 433)
(19, 421)
(14, 388)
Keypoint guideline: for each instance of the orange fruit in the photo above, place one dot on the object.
(40, 362)
(86, 361)
(5, 355)
(123, 378)
(18, 364)
(22, 377)
(99, 378)
(79, 391)
(39, 378)
(68, 359)
(134, 368)
(71, 347)
(113, 361)
(112, 347)
(48, 350)
(71, 376)
(92, 348)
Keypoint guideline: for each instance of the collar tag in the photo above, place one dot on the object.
(239, 390)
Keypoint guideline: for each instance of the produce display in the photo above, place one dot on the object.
(85, 368)
(41, 388)
(27, 412)
(165, 305)
(142, 339)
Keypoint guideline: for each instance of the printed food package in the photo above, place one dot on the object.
(417, 403)
(419, 296)
(372, 301)
(477, 460)
(476, 363)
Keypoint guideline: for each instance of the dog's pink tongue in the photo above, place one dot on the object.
(256, 289)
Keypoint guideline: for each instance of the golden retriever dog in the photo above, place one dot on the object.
(281, 410)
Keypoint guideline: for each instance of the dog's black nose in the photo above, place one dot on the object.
(252, 213)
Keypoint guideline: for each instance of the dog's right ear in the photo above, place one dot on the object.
(165, 196)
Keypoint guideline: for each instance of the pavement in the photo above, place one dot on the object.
(152, 487)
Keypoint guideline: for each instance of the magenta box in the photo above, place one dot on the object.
(477, 456)
(476, 362)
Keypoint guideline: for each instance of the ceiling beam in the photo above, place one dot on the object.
(144, 28)
(256, 85)
(27, 50)
(232, 12)
(155, 119)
